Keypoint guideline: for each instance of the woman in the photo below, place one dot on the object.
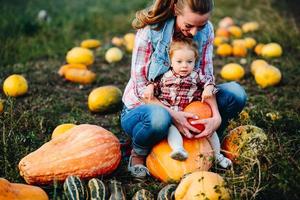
(147, 122)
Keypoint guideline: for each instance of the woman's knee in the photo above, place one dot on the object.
(234, 93)
(159, 119)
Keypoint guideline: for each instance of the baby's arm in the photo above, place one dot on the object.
(208, 92)
(149, 91)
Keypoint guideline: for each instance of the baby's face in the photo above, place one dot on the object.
(183, 61)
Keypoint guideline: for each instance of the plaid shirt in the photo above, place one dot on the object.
(142, 51)
(177, 92)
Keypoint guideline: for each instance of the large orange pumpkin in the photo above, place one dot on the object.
(166, 169)
(85, 150)
(201, 109)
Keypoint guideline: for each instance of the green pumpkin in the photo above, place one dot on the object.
(143, 195)
(97, 189)
(167, 192)
(74, 188)
(116, 190)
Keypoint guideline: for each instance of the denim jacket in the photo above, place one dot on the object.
(160, 61)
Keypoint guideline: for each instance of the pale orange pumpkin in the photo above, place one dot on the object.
(18, 191)
(82, 76)
(166, 169)
(222, 32)
(202, 185)
(85, 150)
(201, 109)
(239, 51)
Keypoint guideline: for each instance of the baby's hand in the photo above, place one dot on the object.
(149, 92)
(207, 92)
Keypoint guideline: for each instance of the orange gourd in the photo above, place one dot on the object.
(202, 110)
(166, 169)
(18, 191)
(244, 142)
(85, 150)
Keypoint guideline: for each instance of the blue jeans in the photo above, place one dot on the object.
(149, 124)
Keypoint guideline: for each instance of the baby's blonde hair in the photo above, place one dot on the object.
(177, 44)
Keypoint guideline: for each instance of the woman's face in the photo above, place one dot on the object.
(189, 23)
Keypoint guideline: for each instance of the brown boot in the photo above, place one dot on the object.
(137, 159)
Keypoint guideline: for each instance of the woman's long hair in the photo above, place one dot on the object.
(161, 10)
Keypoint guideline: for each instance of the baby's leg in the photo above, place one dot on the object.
(176, 143)
(215, 144)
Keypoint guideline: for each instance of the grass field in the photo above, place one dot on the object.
(37, 50)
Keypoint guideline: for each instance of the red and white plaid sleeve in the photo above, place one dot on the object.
(139, 68)
(207, 76)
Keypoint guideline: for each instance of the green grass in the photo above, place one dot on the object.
(37, 50)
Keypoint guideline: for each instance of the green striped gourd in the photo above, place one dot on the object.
(97, 189)
(116, 190)
(143, 195)
(74, 188)
(167, 192)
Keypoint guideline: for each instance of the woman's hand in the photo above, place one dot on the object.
(210, 124)
(182, 124)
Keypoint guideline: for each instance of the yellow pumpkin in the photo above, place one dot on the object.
(244, 142)
(166, 169)
(226, 22)
(18, 191)
(258, 48)
(235, 31)
(117, 41)
(113, 54)
(250, 27)
(129, 41)
(90, 43)
(104, 99)
(60, 129)
(62, 70)
(267, 76)
(202, 185)
(250, 42)
(239, 50)
(80, 55)
(271, 50)
(220, 40)
(224, 50)
(15, 85)
(82, 76)
(232, 72)
(257, 64)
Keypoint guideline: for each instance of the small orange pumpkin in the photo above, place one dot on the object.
(201, 109)
(166, 169)
(18, 191)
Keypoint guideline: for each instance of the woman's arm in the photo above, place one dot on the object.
(211, 124)
(140, 57)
